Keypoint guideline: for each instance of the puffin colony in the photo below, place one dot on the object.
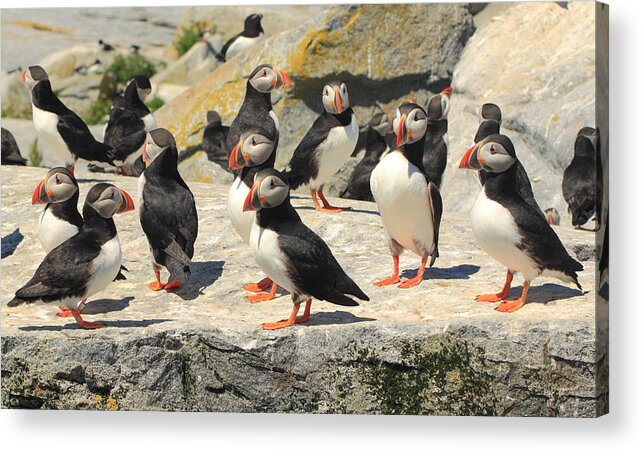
(402, 171)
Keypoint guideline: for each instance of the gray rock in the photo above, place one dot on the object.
(428, 350)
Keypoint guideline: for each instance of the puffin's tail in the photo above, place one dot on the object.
(15, 302)
(98, 151)
(571, 267)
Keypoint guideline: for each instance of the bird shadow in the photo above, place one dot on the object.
(126, 323)
(10, 243)
(454, 272)
(204, 274)
(106, 305)
(336, 317)
(549, 292)
(352, 210)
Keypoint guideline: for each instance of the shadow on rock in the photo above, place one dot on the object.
(106, 305)
(543, 294)
(119, 323)
(454, 272)
(11, 242)
(204, 274)
(336, 317)
(352, 210)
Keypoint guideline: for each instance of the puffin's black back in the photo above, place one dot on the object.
(435, 155)
(10, 150)
(359, 184)
(579, 182)
(215, 143)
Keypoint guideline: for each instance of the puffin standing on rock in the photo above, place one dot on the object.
(508, 228)
(59, 129)
(579, 183)
(251, 34)
(376, 145)
(86, 263)
(436, 152)
(167, 210)
(409, 203)
(215, 138)
(254, 133)
(326, 146)
(291, 254)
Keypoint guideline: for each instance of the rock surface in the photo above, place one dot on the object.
(427, 350)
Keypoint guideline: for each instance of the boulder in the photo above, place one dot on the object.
(16, 100)
(193, 66)
(198, 168)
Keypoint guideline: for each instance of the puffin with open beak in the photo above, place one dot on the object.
(326, 146)
(437, 143)
(409, 203)
(291, 254)
(86, 263)
(167, 211)
(509, 229)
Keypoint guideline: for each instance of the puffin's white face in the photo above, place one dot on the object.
(253, 149)
(268, 191)
(32, 75)
(265, 79)
(384, 127)
(57, 186)
(112, 200)
(335, 97)
(143, 93)
(155, 142)
(410, 124)
(493, 154)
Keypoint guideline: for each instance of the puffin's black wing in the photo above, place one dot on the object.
(63, 273)
(359, 184)
(436, 208)
(10, 150)
(435, 159)
(314, 269)
(80, 141)
(125, 132)
(525, 189)
(578, 188)
(221, 56)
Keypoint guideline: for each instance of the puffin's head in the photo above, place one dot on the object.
(143, 87)
(254, 147)
(492, 154)
(33, 75)
(253, 22)
(270, 189)
(439, 105)
(213, 118)
(586, 141)
(382, 123)
(156, 141)
(490, 112)
(266, 78)
(108, 200)
(410, 123)
(335, 97)
(58, 185)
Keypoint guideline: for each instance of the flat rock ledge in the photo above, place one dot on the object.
(427, 350)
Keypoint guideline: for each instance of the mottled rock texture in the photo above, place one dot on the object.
(429, 350)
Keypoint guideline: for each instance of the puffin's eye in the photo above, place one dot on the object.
(253, 141)
(264, 72)
(272, 183)
(58, 181)
(492, 150)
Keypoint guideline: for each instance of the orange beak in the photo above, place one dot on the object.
(282, 81)
(337, 101)
(23, 76)
(447, 91)
(247, 205)
(127, 204)
(470, 160)
(40, 194)
(401, 131)
(233, 161)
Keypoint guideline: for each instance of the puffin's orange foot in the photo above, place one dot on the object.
(173, 285)
(260, 297)
(408, 283)
(490, 297)
(389, 281)
(278, 325)
(258, 287)
(156, 286)
(85, 324)
(510, 306)
(66, 313)
(331, 209)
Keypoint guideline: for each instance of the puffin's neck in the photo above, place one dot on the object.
(252, 30)
(68, 208)
(285, 212)
(264, 99)
(439, 127)
(414, 152)
(486, 128)
(44, 98)
(502, 183)
(247, 174)
(132, 100)
(584, 148)
(166, 165)
(344, 118)
(95, 222)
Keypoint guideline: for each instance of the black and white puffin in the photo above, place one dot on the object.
(579, 185)
(436, 151)
(167, 210)
(376, 145)
(252, 33)
(508, 228)
(326, 146)
(10, 151)
(104, 46)
(59, 129)
(86, 263)
(291, 254)
(215, 139)
(128, 125)
(409, 203)
(490, 121)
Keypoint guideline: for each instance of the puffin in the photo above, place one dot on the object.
(167, 211)
(376, 145)
(436, 151)
(255, 114)
(59, 129)
(409, 203)
(86, 263)
(251, 34)
(509, 229)
(326, 146)
(104, 46)
(128, 125)
(215, 138)
(10, 151)
(579, 184)
(490, 121)
(291, 254)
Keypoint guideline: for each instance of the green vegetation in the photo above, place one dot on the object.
(124, 68)
(9, 110)
(97, 111)
(35, 156)
(155, 103)
(190, 35)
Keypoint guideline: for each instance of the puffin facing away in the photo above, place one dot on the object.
(436, 152)
(579, 180)
(167, 210)
(376, 145)
(410, 204)
(59, 129)
(86, 263)
(509, 229)
(10, 150)
(128, 125)
(251, 34)
(327, 145)
(291, 254)
(215, 138)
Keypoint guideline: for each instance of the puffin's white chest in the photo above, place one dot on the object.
(241, 220)
(241, 44)
(275, 118)
(150, 122)
(335, 151)
(104, 267)
(141, 187)
(53, 231)
(50, 141)
(401, 193)
(498, 235)
(265, 249)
